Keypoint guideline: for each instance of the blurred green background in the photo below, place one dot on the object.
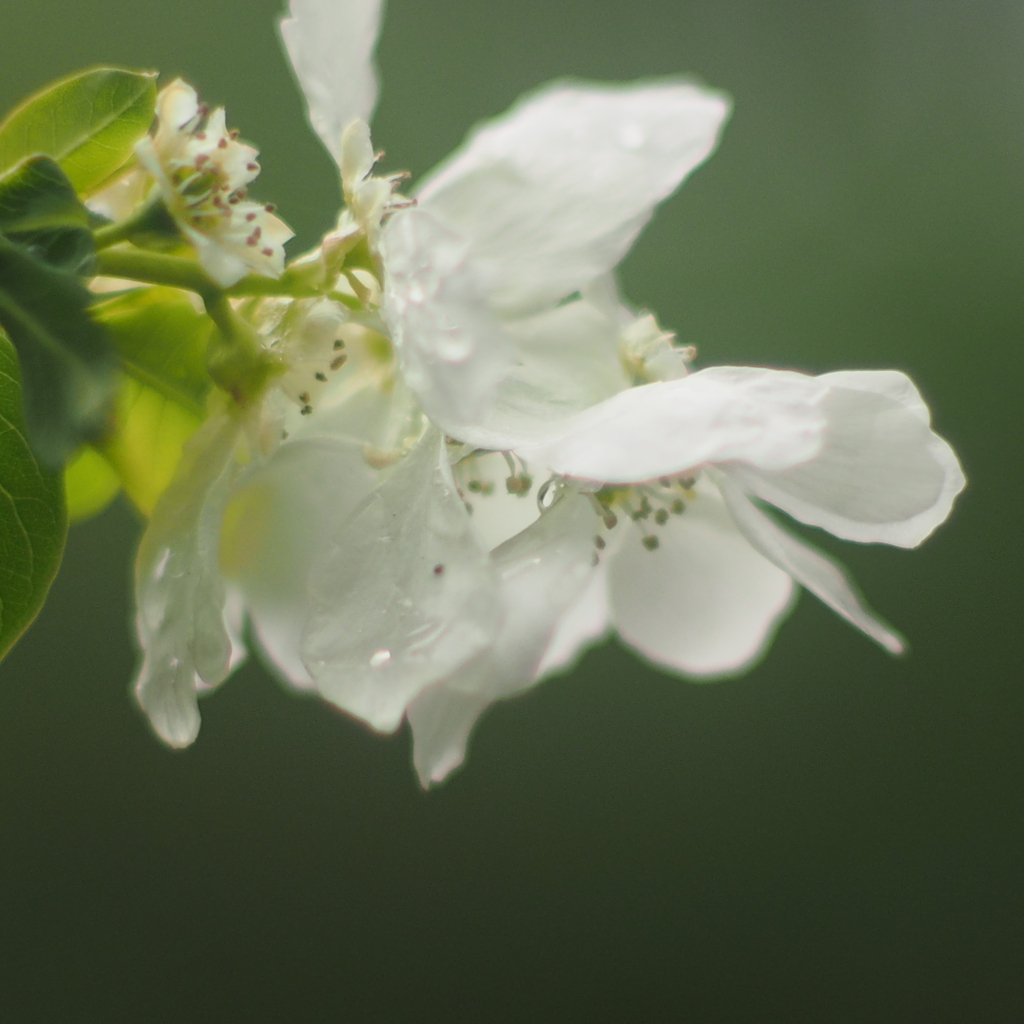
(836, 836)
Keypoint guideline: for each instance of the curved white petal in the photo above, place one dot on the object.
(809, 567)
(882, 473)
(181, 603)
(586, 622)
(541, 572)
(403, 597)
(704, 601)
(452, 346)
(280, 522)
(562, 362)
(770, 418)
(330, 44)
(552, 194)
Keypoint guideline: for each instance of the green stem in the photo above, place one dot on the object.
(156, 268)
(111, 234)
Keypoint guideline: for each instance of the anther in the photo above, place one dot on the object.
(519, 485)
(339, 344)
(252, 167)
(599, 543)
(320, 376)
(306, 410)
(678, 507)
(304, 397)
(610, 521)
(233, 134)
(250, 216)
(338, 361)
(439, 569)
(267, 251)
(222, 143)
(270, 207)
(687, 482)
(651, 542)
(661, 517)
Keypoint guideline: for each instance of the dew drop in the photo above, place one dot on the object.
(381, 657)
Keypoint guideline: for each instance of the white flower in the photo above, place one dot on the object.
(348, 538)
(202, 172)
(511, 333)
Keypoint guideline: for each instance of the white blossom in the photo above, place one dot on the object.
(517, 462)
(202, 173)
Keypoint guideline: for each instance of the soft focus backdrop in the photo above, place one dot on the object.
(836, 836)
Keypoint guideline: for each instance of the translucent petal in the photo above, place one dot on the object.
(809, 567)
(453, 348)
(563, 361)
(769, 418)
(882, 474)
(542, 571)
(278, 526)
(704, 601)
(586, 622)
(330, 44)
(403, 596)
(181, 617)
(552, 194)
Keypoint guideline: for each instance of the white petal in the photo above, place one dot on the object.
(277, 528)
(769, 418)
(819, 574)
(542, 572)
(563, 361)
(552, 194)
(704, 602)
(882, 474)
(452, 347)
(403, 596)
(183, 630)
(330, 44)
(584, 624)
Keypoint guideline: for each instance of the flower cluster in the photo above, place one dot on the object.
(202, 173)
(478, 458)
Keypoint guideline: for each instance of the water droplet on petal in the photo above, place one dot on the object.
(381, 657)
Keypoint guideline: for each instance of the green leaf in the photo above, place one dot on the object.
(89, 123)
(40, 211)
(145, 446)
(67, 364)
(162, 339)
(33, 523)
(90, 484)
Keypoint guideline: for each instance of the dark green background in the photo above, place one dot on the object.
(836, 836)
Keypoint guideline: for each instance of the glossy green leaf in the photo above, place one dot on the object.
(67, 363)
(33, 522)
(40, 211)
(145, 445)
(161, 339)
(90, 484)
(89, 123)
